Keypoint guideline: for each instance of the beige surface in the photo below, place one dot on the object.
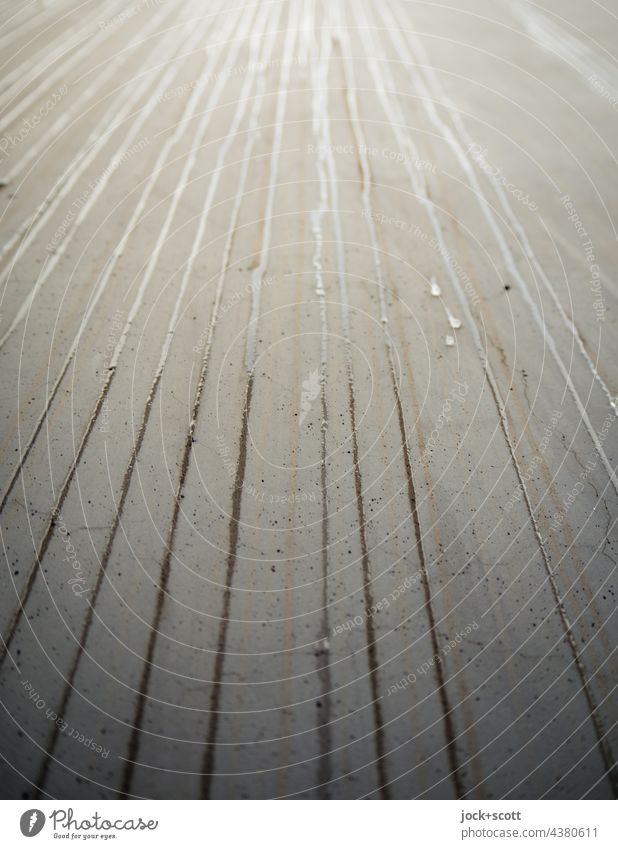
(295, 393)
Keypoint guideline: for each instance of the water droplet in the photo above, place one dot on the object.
(384, 320)
(435, 289)
(454, 322)
(450, 341)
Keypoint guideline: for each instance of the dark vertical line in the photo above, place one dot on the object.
(371, 638)
(371, 647)
(448, 722)
(19, 611)
(134, 742)
(33, 436)
(444, 700)
(604, 748)
(367, 179)
(160, 602)
(324, 670)
(163, 584)
(126, 481)
(234, 526)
